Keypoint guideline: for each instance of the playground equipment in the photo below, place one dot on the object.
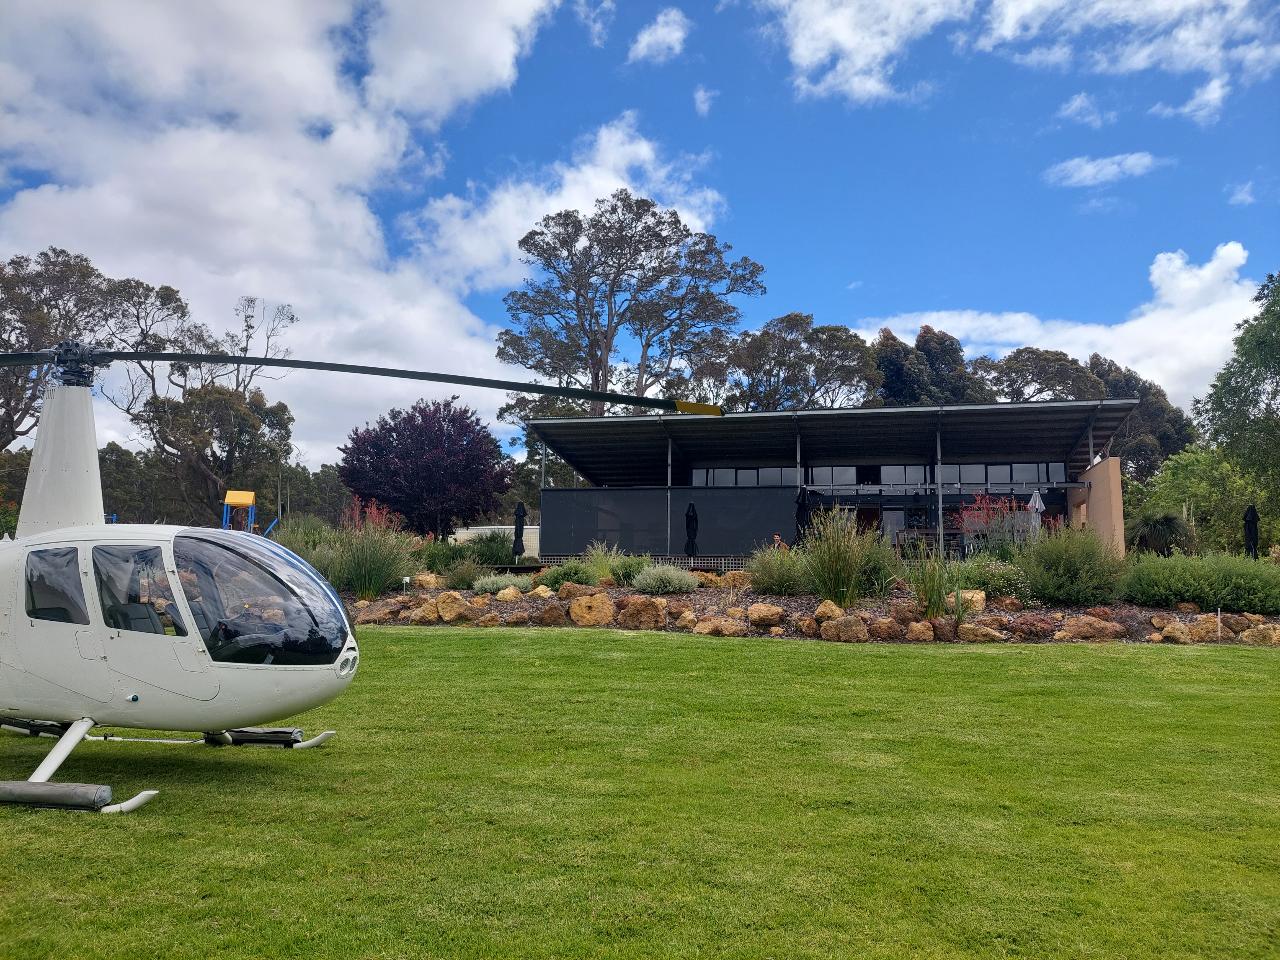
(245, 500)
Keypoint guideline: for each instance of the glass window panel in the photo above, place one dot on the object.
(1025, 473)
(54, 590)
(263, 606)
(134, 590)
(844, 476)
(915, 474)
(770, 476)
(699, 478)
(723, 477)
(820, 476)
(748, 478)
(869, 474)
(788, 476)
(949, 473)
(1058, 472)
(1042, 472)
(973, 473)
(998, 473)
(889, 475)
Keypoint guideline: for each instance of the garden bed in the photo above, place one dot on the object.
(736, 610)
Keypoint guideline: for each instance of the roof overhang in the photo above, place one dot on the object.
(632, 451)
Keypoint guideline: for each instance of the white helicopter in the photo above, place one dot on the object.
(163, 627)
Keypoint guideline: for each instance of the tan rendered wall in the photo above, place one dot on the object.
(1100, 506)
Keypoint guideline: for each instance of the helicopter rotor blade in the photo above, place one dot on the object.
(25, 359)
(516, 386)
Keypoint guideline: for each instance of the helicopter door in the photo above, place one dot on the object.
(57, 644)
(147, 636)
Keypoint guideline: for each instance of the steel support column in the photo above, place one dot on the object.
(937, 483)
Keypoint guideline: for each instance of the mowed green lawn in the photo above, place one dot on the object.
(506, 793)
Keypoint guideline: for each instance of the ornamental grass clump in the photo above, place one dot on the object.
(1213, 581)
(303, 533)
(844, 563)
(599, 558)
(778, 573)
(439, 555)
(493, 582)
(1071, 567)
(491, 549)
(368, 555)
(664, 578)
(1161, 533)
(626, 567)
(930, 578)
(571, 571)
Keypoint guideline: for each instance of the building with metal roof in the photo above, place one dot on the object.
(907, 471)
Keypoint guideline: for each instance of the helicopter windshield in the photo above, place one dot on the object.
(258, 604)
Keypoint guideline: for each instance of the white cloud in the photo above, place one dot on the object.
(1082, 108)
(662, 39)
(1205, 105)
(1093, 172)
(470, 242)
(852, 48)
(230, 151)
(703, 99)
(1179, 338)
(1242, 194)
(596, 16)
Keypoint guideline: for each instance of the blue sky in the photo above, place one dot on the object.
(1081, 174)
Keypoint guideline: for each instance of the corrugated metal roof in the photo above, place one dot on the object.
(632, 451)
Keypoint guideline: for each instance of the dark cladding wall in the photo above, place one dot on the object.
(731, 521)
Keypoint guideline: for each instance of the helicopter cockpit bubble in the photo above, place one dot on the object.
(253, 602)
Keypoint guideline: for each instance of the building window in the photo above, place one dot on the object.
(1057, 473)
(973, 473)
(914, 474)
(844, 476)
(949, 473)
(869, 474)
(894, 475)
(770, 476)
(748, 478)
(699, 478)
(819, 476)
(54, 590)
(1025, 473)
(722, 477)
(998, 473)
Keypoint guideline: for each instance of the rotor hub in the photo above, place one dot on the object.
(76, 362)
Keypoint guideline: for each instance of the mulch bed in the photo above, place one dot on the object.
(717, 601)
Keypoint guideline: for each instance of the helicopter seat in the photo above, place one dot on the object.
(138, 617)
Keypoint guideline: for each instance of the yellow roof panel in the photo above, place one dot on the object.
(240, 498)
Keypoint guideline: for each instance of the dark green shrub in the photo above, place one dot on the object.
(1215, 580)
(844, 563)
(778, 573)
(438, 555)
(664, 578)
(1161, 533)
(1071, 568)
(992, 575)
(491, 549)
(624, 568)
(571, 571)
(464, 574)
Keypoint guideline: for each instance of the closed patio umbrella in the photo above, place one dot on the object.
(691, 531)
(1251, 532)
(517, 545)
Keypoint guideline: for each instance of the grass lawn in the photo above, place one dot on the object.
(505, 793)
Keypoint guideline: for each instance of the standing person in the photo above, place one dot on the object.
(779, 543)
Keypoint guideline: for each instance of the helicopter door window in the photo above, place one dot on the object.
(134, 591)
(54, 590)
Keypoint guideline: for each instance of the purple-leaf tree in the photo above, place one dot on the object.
(436, 464)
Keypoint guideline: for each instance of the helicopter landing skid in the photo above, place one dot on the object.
(37, 791)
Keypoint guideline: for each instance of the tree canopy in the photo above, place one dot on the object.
(436, 464)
